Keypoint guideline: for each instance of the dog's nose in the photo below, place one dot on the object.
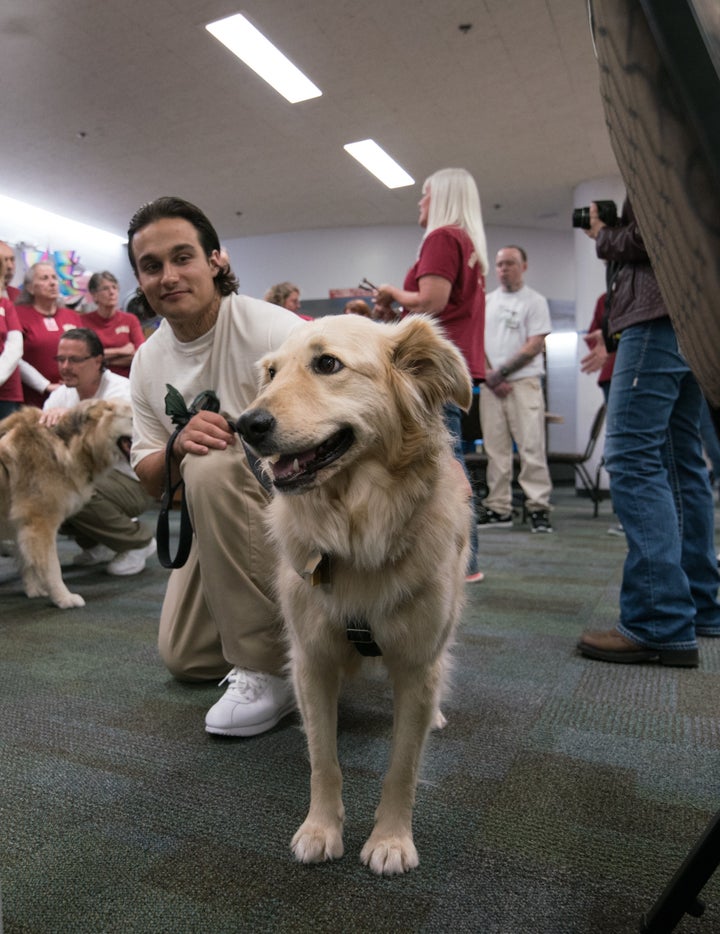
(256, 426)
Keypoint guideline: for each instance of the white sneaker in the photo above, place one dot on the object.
(98, 554)
(253, 703)
(131, 562)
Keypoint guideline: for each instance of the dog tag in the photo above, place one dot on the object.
(317, 569)
(322, 573)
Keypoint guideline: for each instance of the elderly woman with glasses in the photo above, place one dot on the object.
(119, 331)
(43, 320)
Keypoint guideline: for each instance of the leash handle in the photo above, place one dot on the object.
(162, 534)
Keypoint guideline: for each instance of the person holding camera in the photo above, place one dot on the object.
(658, 477)
(219, 616)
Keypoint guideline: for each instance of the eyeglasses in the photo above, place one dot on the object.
(72, 360)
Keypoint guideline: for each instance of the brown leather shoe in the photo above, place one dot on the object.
(611, 646)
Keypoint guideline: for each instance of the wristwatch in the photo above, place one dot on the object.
(504, 372)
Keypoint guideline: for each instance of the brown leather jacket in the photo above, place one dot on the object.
(634, 294)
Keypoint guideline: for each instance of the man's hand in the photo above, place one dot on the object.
(502, 389)
(204, 431)
(50, 417)
(596, 224)
(495, 381)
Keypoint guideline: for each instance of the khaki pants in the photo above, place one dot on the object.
(520, 416)
(219, 611)
(110, 516)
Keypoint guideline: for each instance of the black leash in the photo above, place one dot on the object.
(180, 414)
(162, 534)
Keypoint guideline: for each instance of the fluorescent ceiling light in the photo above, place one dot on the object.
(251, 46)
(33, 222)
(376, 160)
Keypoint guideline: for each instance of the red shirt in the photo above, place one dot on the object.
(607, 370)
(13, 293)
(449, 252)
(41, 336)
(11, 389)
(116, 331)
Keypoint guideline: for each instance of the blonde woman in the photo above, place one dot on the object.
(448, 282)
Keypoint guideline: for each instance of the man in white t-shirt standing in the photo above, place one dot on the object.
(512, 405)
(108, 528)
(219, 618)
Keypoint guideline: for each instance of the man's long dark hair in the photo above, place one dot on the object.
(226, 281)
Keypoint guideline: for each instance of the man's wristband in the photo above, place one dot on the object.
(504, 372)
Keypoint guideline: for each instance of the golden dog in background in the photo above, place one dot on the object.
(371, 525)
(46, 475)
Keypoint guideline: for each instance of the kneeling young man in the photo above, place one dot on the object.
(219, 617)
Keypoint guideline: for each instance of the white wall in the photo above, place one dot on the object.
(320, 260)
(317, 260)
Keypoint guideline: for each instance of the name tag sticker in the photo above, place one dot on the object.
(51, 324)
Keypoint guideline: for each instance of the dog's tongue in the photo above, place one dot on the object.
(291, 464)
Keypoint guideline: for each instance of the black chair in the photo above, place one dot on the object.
(579, 461)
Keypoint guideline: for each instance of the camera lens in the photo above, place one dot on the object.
(581, 218)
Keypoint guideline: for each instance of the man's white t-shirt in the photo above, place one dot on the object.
(510, 319)
(112, 386)
(223, 360)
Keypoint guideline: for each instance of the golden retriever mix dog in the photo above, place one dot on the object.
(371, 525)
(47, 474)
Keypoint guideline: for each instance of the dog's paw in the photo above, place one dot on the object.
(439, 721)
(389, 856)
(69, 600)
(315, 843)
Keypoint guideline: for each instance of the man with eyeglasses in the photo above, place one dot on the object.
(107, 528)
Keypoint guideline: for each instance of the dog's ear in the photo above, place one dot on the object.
(71, 424)
(76, 420)
(433, 363)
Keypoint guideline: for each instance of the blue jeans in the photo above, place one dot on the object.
(452, 416)
(710, 440)
(660, 492)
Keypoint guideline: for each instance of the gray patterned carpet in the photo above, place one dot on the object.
(561, 797)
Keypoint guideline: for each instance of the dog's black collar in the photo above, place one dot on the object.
(360, 634)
